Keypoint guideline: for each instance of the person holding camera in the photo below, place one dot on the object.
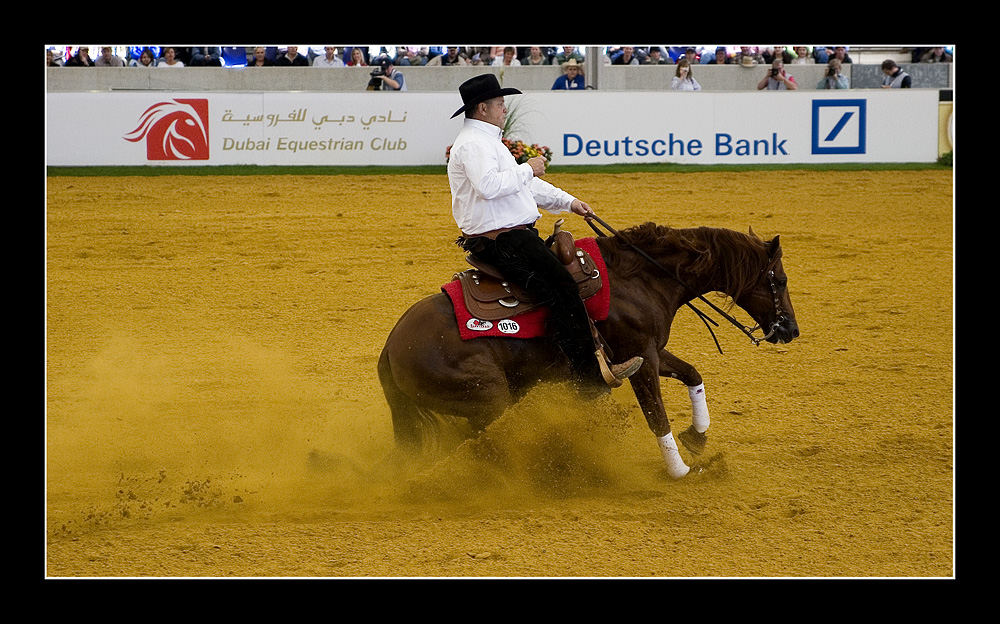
(833, 79)
(683, 80)
(776, 78)
(385, 76)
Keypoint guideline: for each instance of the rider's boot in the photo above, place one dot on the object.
(615, 374)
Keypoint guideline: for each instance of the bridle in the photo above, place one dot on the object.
(767, 271)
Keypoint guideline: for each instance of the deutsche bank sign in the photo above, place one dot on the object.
(839, 126)
(582, 128)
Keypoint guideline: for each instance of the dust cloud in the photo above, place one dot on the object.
(248, 437)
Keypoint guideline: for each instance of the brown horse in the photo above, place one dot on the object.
(425, 368)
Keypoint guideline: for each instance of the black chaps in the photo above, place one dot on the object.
(522, 257)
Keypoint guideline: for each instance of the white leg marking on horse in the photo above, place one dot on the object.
(699, 408)
(675, 465)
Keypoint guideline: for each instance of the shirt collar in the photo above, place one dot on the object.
(485, 127)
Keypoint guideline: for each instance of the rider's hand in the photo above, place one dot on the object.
(582, 209)
(537, 165)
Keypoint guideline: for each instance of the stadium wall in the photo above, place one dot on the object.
(447, 79)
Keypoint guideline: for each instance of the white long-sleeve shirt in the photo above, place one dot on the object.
(489, 190)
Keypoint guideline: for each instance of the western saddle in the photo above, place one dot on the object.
(490, 297)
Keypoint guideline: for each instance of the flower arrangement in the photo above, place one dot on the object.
(520, 150)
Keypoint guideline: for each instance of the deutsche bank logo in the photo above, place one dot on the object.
(838, 126)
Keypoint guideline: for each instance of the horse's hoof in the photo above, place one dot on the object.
(692, 440)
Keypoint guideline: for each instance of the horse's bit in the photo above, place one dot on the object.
(768, 271)
(779, 315)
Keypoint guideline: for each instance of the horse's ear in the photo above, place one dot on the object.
(753, 234)
(773, 247)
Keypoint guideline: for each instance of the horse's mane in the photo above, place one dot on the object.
(733, 258)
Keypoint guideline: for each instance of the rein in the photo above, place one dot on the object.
(769, 269)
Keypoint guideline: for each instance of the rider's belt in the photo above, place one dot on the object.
(492, 234)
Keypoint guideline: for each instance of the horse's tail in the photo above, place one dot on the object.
(414, 427)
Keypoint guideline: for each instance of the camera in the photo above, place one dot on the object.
(379, 67)
(375, 83)
(774, 72)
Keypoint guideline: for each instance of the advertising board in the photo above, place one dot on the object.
(583, 128)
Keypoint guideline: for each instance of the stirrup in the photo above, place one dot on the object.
(615, 375)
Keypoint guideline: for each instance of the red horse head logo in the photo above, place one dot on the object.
(176, 130)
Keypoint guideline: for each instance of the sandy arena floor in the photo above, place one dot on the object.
(213, 407)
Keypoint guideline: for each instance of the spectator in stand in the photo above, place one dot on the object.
(572, 77)
(135, 51)
(206, 56)
(80, 59)
(260, 58)
(625, 57)
(509, 58)
(328, 59)
(412, 56)
(434, 51)
(535, 57)
(108, 58)
(747, 56)
(450, 57)
(482, 56)
(833, 79)
(936, 55)
(50, 59)
(568, 52)
(840, 53)
(776, 79)
(895, 77)
(803, 56)
(292, 58)
(683, 80)
(170, 58)
(691, 55)
(776, 52)
(146, 59)
(357, 58)
(182, 54)
(655, 57)
(721, 57)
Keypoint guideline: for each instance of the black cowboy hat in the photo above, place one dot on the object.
(481, 88)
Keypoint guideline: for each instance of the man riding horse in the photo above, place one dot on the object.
(495, 203)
